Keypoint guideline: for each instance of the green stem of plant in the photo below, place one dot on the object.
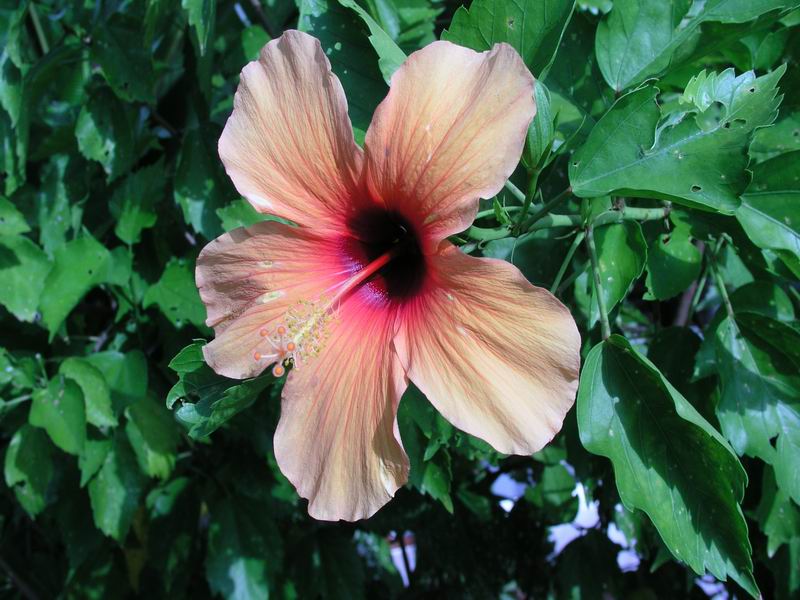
(515, 191)
(15, 401)
(567, 260)
(526, 204)
(37, 25)
(484, 234)
(698, 293)
(631, 213)
(605, 327)
(489, 212)
(551, 221)
(548, 206)
(723, 291)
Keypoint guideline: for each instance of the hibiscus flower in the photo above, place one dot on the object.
(366, 292)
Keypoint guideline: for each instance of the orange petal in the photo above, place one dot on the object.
(338, 440)
(450, 131)
(288, 146)
(248, 279)
(495, 355)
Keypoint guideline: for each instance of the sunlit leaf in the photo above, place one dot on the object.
(668, 461)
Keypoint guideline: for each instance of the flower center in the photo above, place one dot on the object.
(375, 232)
(383, 257)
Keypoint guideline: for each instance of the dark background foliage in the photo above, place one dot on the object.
(130, 469)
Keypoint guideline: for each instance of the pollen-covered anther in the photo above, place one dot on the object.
(278, 370)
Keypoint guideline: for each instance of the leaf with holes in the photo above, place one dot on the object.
(668, 461)
(695, 156)
(533, 27)
(673, 263)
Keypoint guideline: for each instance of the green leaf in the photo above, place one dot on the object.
(133, 202)
(240, 213)
(153, 436)
(541, 132)
(13, 152)
(429, 474)
(12, 91)
(208, 400)
(200, 187)
(105, 133)
(697, 157)
(538, 254)
(390, 56)
(116, 490)
(639, 39)
(124, 61)
(352, 58)
(244, 549)
(176, 295)
(668, 461)
(621, 254)
(201, 15)
(410, 23)
(79, 265)
(533, 27)
(757, 296)
(778, 516)
(12, 221)
(253, 39)
(95, 390)
(759, 362)
(29, 468)
(673, 263)
(126, 375)
(777, 139)
(93, 457)
(770, 210)
(59, 410)
(23, 269)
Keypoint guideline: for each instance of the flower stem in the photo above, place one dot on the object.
(551, 221)
(605, 327)
(489, 212)
(548, 206)
(37, 25)
(718, 278)
(567, 260)
(515, 191)
(526, 204)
